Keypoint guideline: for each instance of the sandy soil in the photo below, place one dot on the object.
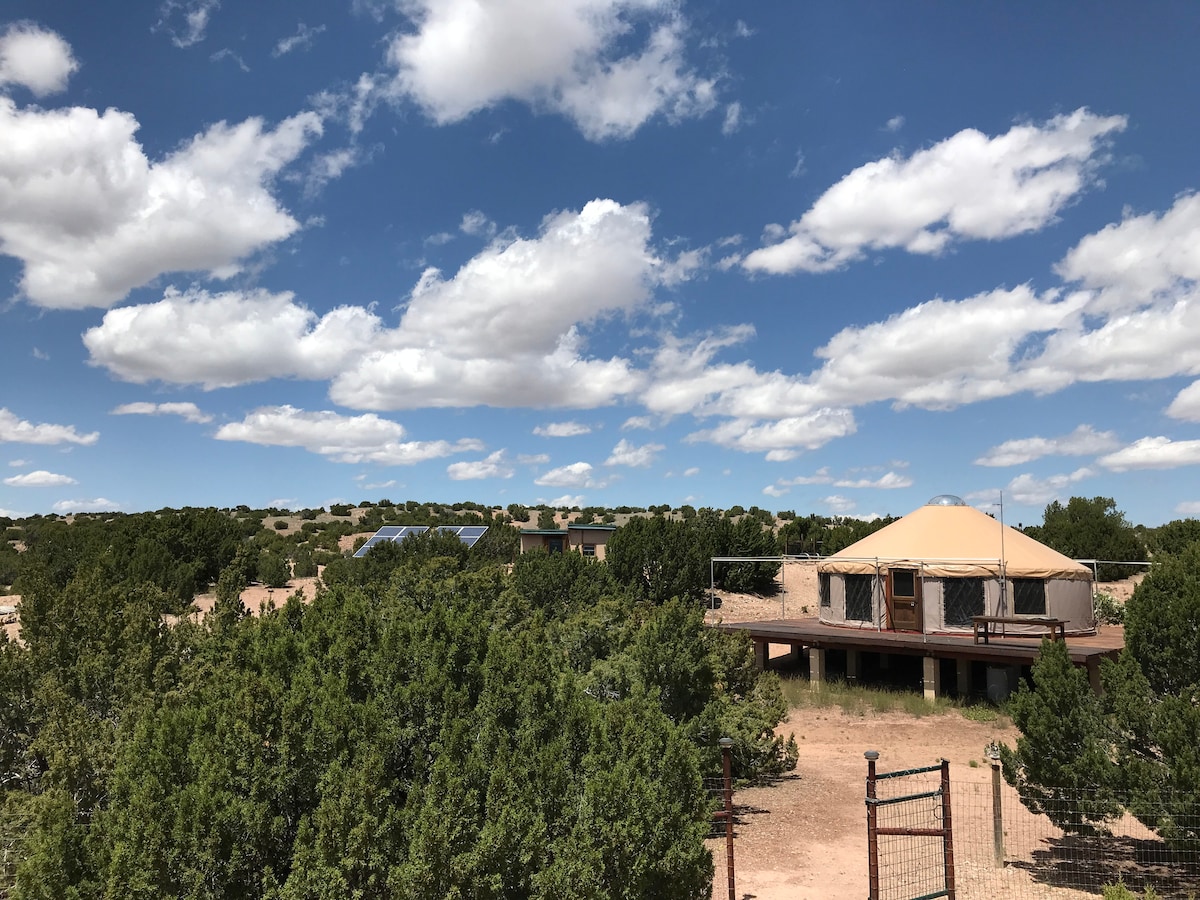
(805, 835)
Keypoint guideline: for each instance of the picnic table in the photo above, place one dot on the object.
(985, 625)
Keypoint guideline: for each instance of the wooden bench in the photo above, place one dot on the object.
(984, 625)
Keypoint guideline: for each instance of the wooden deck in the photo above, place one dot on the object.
(817, 637)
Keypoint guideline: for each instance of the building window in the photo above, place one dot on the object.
(589, 549)
(904, 583)
(823, 590)
(859, 591)
(1029, 596)
(962, 598)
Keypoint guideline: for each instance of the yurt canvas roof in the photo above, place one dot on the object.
(948, 538)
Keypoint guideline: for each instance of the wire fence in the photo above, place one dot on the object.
(1003, 850)
(721, 827)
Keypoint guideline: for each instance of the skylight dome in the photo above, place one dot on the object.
(946, 500)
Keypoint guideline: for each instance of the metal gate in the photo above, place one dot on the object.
(910, 840)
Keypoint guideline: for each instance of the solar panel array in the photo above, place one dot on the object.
(468, 534)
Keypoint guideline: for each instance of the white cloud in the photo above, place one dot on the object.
(1083, 441)
(1188, 508)
(809, 432)
(626, 454)
(566, 501)
(302, 39)
(889, 481)
(733, 119)
(839, 505)
(377, 485)
(775, 491)
(1186, 405)
(967, 187)
(36, 59)
(18, 463)
(637, 422)
(895, 123)
(91, 217)
(574, 475)
(533, 459)
(493, 466)
(691, 472)
(226, 53)
(562, 429)
(1028, 490)
(221, 340)
(99, 504)
(505, 330)
(19, 431)
(565, 56)
(475, 223)
(1153, 453)
(345, 439)
(40, 478)
(186, 21)
(1141, 260)
(188, 411)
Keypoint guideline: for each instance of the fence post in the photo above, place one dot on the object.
(993, 755)
(949, 829)
(872, 839)
(727, 766)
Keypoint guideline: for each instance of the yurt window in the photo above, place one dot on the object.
(823, 589)
(858, 597)
(962, 598)
(1029, 596)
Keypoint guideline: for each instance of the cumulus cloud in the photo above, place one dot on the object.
(1153, 453)
(98, 504)
(492, 466)
(784, 485)
(839, 505)
(40, 478)
(887, 482)
(1029, 490)
(1186, 405)
(1141, 260)
(809, 432)
(566, 56)
(626, 454)
(346, 439)
(1083, 441)
(188, 411)
(566, 501)
(222, 340)
(1188, 508)
(582, 268)
(18, 431)
(90, 217)
(562, 429)
(637, 422)
(967, 187)
(36, 59)
(186, 21)
(579, 474)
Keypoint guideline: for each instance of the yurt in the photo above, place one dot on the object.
(944, 563)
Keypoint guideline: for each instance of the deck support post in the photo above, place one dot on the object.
(762, 654)
(963, 681)
(796, 653)
(816, 668)
(933, 678)
(1093, 669)
(853, 665)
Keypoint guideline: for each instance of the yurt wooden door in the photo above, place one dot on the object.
(904, 599)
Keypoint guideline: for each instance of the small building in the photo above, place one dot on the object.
(590, 540)
(942, 565)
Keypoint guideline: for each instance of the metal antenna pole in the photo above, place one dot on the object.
(1003, 572)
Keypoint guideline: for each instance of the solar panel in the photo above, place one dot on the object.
(468, 534)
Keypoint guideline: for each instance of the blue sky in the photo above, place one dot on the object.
(830, 257)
